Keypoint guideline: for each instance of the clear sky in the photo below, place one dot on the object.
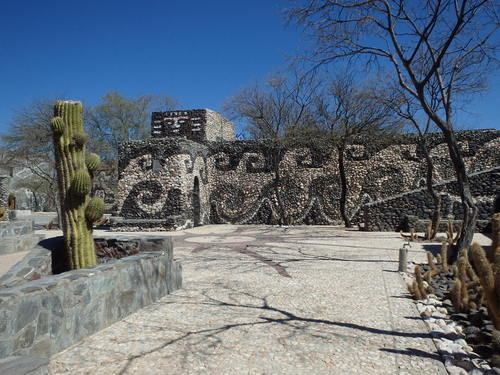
(198, 51)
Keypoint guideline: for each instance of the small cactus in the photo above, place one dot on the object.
(430, 261)
(459, 292)
(444, 256)
(495, 231)
(94, 210)
(456, 295)
(92, 161)
(419, 288)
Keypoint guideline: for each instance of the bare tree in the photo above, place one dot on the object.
(406, 107)
(115, 119)
(118, 119)
(275, 111)
(349, 109)
(448, 41)
(29, 145)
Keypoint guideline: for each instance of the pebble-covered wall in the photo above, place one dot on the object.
(3, 190)
(412, 210)
(174, 183)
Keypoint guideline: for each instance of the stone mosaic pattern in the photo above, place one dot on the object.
(4, 190)
(389, 214)
(197, 124)
(238, 185)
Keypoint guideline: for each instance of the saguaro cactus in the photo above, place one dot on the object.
(74, 169)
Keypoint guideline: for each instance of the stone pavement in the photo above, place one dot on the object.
(268, 300)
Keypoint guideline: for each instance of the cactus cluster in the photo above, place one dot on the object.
(417, 288)
(466, 292)
(74, 171)
(487, 267)
(430, 233)
(452, 238)
(476, 275)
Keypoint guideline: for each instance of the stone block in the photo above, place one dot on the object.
(19, 365)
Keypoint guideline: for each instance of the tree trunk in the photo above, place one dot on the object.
(283, 220)
(469, 207)
(343, 186)
(436, 213)
(37, 208)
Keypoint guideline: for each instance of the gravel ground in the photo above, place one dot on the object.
(269, 300)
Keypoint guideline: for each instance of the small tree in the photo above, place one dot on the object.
(407, 109)
(275, 111)
(28, 145)
(346, 110)
(445, 41)
(118, 119)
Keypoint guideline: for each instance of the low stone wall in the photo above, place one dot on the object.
(16, 236)
(19, 214)
(35, 265)
(41, 317)
(18, 365)
(392, 214)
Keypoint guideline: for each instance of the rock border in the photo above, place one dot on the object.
(458, 357)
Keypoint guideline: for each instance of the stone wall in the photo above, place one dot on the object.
(196, 124)
(40, 318)
(156, 180)
(35, 265)
(4, 190)
(392, 213)
(105, 184)
(238, 184)
(17, 236)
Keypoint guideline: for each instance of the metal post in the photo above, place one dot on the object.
(403, 257)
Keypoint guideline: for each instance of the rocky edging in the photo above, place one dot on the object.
(451, 331)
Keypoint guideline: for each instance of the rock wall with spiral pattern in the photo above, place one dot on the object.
(237, 181)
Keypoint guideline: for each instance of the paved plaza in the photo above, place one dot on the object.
(270, 300)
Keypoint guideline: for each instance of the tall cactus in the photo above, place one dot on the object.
(74, 170)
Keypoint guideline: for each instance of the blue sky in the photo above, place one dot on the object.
(200, 52)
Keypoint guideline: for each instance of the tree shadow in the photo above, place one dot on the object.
(433, 248)
(203, 341)
(413, 352)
